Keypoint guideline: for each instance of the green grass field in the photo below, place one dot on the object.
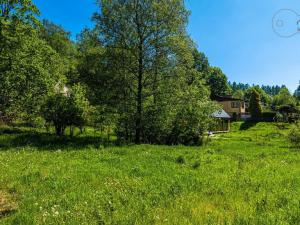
(249, 176)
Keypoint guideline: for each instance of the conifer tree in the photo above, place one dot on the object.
(255, 107)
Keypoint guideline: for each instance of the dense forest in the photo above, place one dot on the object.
(136, 73)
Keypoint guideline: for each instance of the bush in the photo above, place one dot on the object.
(37, 122)
(189, 125)
(66, 110)
(57, 111)
(279, 117)
(294, 135)
(192, 119)
(182, 119)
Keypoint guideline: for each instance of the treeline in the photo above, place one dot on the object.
(134, 73)
(270, 90)
(269, 102)
(137, 73)
(272, 97)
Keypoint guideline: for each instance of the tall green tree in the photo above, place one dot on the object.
(284, 97)
(239, 94)
(264, 97)
(201, 62)
(217, 82)
(21, 10)
(29, 70)
(29, 67)
(59, 40)
(142, 39)
(255, 108)
(93, 70)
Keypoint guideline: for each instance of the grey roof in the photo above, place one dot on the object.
(221, 114)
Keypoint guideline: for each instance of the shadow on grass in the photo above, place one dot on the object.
(11, 130)
(16, 138)
(247, 125)
(294, 148)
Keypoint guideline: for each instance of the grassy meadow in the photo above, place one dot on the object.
(248, 176)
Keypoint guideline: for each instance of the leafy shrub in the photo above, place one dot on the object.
(56, 111)
(294, 135)
(189, 126)
(279, 117)
(192, 119)
(38, 122)
(66, 110)
(172, 118)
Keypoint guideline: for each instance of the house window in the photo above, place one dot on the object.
(235, 105)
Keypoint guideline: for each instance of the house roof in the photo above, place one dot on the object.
(221, 114)
(225, 98)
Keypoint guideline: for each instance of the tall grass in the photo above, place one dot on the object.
(249, 176)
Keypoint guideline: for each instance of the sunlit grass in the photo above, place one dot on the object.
(249, 176)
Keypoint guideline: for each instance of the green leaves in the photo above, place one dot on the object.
(29, 69)
(19, 10)
(139, 61)
(139, 66)
(255, 108)
(67, 109)
(284, 98)
(218, 83)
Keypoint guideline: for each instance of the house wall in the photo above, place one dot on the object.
(228, 107)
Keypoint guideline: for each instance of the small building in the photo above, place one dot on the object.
(236, 108)
(222, 122)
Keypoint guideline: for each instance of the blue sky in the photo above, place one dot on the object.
(236, 35)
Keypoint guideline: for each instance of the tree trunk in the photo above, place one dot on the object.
(59, 130)
(71, 131)
(138, 122)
